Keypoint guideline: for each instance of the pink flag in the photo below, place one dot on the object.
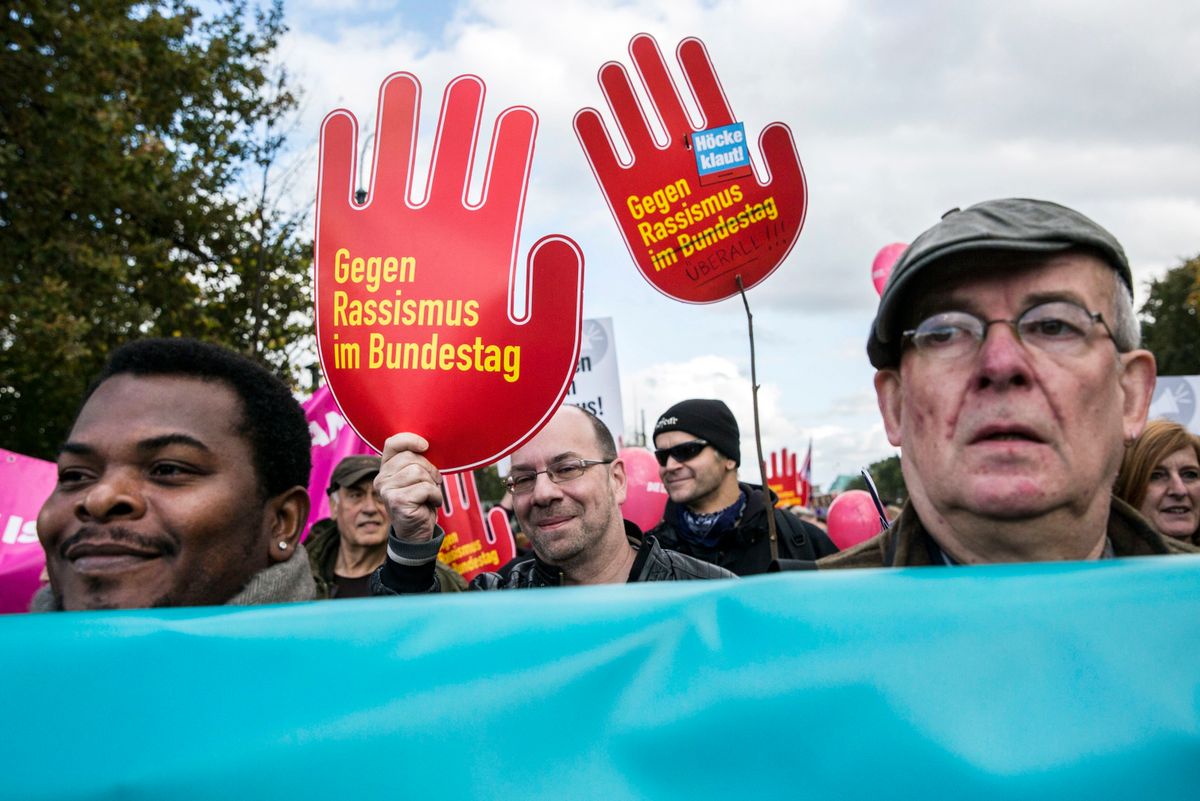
(25, 483)
(332, 441)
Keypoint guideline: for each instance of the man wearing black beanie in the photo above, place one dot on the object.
(711, 515)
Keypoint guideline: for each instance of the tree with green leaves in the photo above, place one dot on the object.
(1171, 319)
(139, 146)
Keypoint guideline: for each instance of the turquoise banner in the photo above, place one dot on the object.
(1026, 682)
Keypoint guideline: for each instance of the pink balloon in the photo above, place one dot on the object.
(885, 259)
(852, 518)
(645, 497)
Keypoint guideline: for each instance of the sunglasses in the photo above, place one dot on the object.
(683, 452)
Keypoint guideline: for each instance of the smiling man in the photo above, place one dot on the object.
(1009, 374)
(181, 483)
(349, 545)
(567, 485)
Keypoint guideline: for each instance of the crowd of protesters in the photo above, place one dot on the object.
(1009, 374)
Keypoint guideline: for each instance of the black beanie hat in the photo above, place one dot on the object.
(706, 419)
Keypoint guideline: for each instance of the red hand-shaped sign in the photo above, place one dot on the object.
(690, 231)
(473, 544)
(784, 482)
(416, 317)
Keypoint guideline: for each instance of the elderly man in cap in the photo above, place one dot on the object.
(1010, 376)
(345, 548)
(711, 515)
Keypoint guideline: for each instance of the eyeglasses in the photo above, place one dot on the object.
(559, 473)
(1059, 327)
(683, 452)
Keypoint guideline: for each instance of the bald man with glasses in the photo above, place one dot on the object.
(1009, 374)
(568, 486)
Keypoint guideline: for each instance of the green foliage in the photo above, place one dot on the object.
(888, 480)
(489, 484)
(1171, 320)
(130, 133)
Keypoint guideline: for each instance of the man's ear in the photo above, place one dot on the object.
(1138, 371)
(284, 518)
(890, 395)
(619, 480)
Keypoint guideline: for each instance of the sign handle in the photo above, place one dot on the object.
(879, 507)
(762, 465)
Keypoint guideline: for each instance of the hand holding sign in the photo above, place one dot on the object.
(690, 224)
(410, 486)
(416, 317)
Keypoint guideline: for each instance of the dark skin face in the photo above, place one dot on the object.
(158, 501)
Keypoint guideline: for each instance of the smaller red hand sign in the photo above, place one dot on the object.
(416, 303)
(474, 543)
(783, 482)
(691, 226)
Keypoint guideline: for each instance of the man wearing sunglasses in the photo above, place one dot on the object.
(1009, 374)
(567, 485)
(711, 515)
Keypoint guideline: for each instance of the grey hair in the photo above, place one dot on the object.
(1126, 330)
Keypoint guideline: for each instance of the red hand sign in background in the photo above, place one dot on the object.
(416, 303)
(783, 482)
(474, 543)
(690, 240)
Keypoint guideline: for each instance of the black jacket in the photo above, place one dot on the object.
(322, 545)
(745, 549)
(409, 574)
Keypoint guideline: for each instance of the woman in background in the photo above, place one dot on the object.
(1160, 477)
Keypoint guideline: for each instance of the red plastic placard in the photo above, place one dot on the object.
(783, 482)
(415, 301)
(688, 236)
(475, 543)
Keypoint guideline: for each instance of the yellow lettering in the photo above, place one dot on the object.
(340, 268)
(339, 306)
(512, 363)
(375, 352)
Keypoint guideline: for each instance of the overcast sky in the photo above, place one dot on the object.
(900, 111)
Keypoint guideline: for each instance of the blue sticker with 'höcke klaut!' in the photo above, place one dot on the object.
(721, 153)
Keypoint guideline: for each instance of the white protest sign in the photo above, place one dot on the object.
(597, 384)
(1175, 399)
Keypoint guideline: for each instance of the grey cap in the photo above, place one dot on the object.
(1011, 224)
(352, 470)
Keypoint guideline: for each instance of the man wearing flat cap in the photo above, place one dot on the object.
(1010, 376)
(345, 548)
(711, 515)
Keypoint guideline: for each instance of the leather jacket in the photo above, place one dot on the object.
(400, 576)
